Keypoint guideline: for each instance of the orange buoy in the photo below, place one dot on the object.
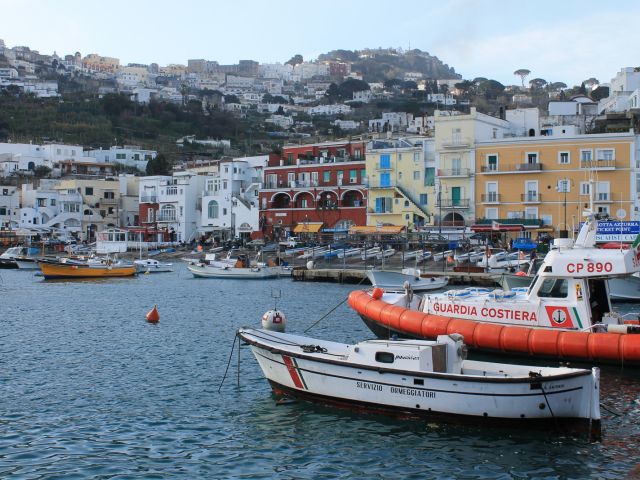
(153, 316)
(377, 293)
(521, 274)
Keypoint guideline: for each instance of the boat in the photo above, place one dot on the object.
(496, 260)
(151, 265)
(9, 258)
(314, 252)
(377, 253)
(427, 379)
(524, 243)
(349, 252)
(97, 268)
(566, 313)
(419, 255)
(397, 281)
(241, 269)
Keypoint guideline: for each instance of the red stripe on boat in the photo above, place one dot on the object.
(293, 372)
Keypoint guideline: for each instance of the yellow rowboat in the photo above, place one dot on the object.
(67, 270)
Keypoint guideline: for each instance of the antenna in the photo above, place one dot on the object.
(276, 295)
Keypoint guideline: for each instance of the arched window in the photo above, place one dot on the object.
(167, 213)
(213, 209)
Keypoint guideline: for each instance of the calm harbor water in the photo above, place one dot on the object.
(89, 389)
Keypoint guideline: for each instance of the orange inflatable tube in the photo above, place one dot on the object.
(543, 342)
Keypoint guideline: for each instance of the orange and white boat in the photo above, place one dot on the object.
(565, 313)
(92, 269)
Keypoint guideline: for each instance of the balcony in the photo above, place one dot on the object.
(166, 218)
(603, 198)
(598, 164)
(453, 203)
(531, 197)
(108, 201)
(490, 197)
(386, 166)
(148, 199)
(492, 168)
(454, 172)
(456, 142)
(529, 167)
(388, 186)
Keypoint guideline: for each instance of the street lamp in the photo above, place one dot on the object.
(564, 184)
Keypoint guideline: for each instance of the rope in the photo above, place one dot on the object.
(331, 311)
(229, 362)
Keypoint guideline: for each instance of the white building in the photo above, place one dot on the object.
(128, 155)
(230, 198)
(9, 206)
(626, 81)
(281, 121)
(329, 110)
(51, 210)
(178, 208)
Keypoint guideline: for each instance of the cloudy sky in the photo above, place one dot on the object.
(561, 40)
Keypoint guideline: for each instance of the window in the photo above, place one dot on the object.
(109, 195)
(353, 176)
(224, 211)
(585, 188)
(531, 190)
(150, 215)
(88, 190)
(304, 203)
(172, 190)
(326, 176)
(385, 161)
(121, 156)
(602, 191)
(212, 209)
(492, 191)
(384, 357)
(357, 153)
(603, 209)
(416, 156)
(3, 211)
(456, 163)
(416, 175)
(492, 163)
(5, 191)
(531, 213)
(429, 177)
(290, 159)
(53, 202)
(272, 180)
(41, 202)
(406, 203)
(491, 213)
(605, 154)
(586, 155)
(314, 179)
(563, 158)
(383, 205)
(291, 179)
(71, 208)
(554, 288)
(564, 186)
(423, 199)
(532, 158)
(110, 210)
(224, 184)
(168, 213)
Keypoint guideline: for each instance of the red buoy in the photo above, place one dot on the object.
(153, 316)
(377, 293)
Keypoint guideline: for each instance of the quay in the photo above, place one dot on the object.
(357, 276)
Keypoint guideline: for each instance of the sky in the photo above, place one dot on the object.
(560, 41)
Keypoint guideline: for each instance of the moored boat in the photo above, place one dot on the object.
(242, 269)
(393, 280)
(429, 379)
(151, 265)
(566, 313)
(95, 269)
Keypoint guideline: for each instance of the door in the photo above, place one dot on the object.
(456, 195)
(385, 179)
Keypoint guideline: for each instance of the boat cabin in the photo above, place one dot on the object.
(445, 355)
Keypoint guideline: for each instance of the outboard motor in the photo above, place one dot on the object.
(456, 351)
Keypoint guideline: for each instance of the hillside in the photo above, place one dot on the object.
(378, 65)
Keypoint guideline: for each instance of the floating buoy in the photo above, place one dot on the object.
(153, 316)
(274, 320)
(377, 293)
(521, 274)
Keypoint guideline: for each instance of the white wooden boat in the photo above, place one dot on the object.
(419, 255)
(242, 269)
(349, 252)
(150, 265)
(438, 257)
(431, 379)
(396, 281)
(377, 253)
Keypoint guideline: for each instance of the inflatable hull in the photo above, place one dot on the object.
(385, 319)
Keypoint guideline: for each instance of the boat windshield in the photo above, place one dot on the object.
(554, 288)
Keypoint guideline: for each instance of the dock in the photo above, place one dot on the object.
(356, 276)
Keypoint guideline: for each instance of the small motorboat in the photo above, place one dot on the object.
(398, 281)
(151, 265)
(9, 258)
(427, 379)
(93, 268)
(242, 269)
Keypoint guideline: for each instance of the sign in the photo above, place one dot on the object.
(617, 231)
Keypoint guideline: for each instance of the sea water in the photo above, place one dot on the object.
(88, 389)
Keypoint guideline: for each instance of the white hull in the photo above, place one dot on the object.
(479, 390)
(390, 280)
(27, 264)
(256, 273)
(152, 266)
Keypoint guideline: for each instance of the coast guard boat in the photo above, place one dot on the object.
(565, 313)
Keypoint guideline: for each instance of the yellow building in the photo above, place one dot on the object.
(98, 63)
(456, 135)
(398, 184)
(551, 179)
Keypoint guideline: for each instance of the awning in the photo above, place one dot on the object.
(372, 230)
(487, 227)
(308, 227)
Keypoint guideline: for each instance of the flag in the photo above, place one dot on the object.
(495, 225)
